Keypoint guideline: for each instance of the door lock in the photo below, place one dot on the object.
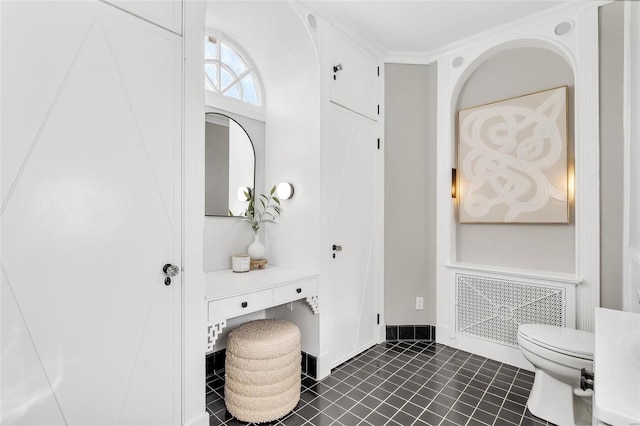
(336, 68)
(170, 271)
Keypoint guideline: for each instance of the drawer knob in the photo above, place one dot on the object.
(244, 304)
(298, 290)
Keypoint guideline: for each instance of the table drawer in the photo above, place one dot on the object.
(289, 292)
(234, 306)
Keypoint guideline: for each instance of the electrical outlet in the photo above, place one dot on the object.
(419, 303)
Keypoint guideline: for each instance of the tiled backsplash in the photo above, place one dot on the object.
(411, 332)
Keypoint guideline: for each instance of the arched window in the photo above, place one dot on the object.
(229, 71)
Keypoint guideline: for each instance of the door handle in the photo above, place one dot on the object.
(337, 247)
(170, 270)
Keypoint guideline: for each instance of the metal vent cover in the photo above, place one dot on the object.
(492, 308)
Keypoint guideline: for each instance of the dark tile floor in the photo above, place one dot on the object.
(405, 383)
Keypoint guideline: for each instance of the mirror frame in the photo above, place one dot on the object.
(253, 150)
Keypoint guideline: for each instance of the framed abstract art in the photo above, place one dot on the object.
(512, 160)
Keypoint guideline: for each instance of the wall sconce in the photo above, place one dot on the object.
(454, 183)
(284, 191)
(244, 193)
(571, 183)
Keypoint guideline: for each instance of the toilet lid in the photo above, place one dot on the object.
(569, 341)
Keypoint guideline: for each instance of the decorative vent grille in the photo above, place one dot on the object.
(493, 308)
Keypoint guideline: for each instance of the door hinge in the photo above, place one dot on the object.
(378, 143)
(378, 109)
(378, 71)
(378, 319)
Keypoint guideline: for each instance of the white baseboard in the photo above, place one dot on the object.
(201, 420)
(324, 365)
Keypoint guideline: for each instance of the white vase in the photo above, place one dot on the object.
(256, 249)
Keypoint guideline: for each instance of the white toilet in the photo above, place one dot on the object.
(558, 354)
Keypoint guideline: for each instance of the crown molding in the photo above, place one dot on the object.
(427, 57)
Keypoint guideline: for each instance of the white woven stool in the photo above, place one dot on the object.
(262, 370)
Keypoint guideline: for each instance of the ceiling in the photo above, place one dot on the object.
(424, 25)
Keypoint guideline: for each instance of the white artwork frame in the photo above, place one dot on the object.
(512, 160)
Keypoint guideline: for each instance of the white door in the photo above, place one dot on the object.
(91, 142)
(351, 207)
(354, 83)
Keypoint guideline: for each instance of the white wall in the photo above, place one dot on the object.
(280, 45)
(277, 40)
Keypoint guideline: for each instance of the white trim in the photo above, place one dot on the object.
(194, 312)
(517, 273)
(378, 226)
(201, 420)
(409, 58)
(627, 288)
(587, 167)
(491, 36)
(631, 103)
(234, 106)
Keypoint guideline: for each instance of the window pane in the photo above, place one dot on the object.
(249, 92)
(226, 78)
(223, 67)
(231, 58)
(211, 70)
(233, 91)
(210, 51)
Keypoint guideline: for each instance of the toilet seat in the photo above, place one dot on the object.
(565, 341)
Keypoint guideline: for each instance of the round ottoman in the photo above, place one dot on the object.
(262, 370)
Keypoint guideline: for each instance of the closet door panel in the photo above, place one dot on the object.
(165, 13)
(355, 86)
(90, 331)
(29, 91)
(353, 145)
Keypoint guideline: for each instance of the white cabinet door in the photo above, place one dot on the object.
(351, 208)
(165, 13)
(355, 85)
(91, 188)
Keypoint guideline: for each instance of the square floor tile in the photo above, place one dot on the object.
(401, 383)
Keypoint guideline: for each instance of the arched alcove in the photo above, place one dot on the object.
(496, 67)
(277, 39)
(287, 61)
(503, 73)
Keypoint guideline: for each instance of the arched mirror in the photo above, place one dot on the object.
(230, 165)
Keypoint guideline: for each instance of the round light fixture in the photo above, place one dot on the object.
(284, 191)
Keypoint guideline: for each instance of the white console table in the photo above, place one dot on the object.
(229, 294)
